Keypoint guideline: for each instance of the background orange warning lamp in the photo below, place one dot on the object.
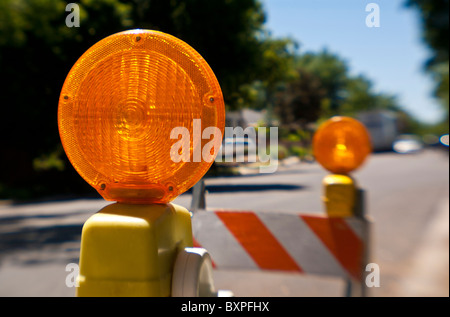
(118, 106)
(341, 145)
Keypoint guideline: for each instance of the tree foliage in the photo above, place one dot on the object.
(324, 87)
(333, 73)
(435, 24)
(302, 100)
(37, 50)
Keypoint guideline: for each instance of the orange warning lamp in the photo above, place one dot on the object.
(118, 106)
(341, 145)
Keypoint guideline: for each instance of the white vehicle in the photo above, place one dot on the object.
(237, 146)
(407, 143)
(382, 127)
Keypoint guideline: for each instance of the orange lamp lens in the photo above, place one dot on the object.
(341, 145)
(118, 106)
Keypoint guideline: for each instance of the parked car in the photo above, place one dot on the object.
(407, 143)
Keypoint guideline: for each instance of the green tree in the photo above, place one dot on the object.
(324, 88)
(37, 50)
(301, 102)
(360, 96)
(333, 73)
(435, 24)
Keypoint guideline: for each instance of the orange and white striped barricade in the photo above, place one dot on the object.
(297, 243)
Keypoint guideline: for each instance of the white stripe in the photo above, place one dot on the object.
(358, 226)
(290, 230)
(302, 244)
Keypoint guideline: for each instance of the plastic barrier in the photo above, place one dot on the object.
(334, 244)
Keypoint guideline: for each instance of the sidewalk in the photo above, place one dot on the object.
(428, 274)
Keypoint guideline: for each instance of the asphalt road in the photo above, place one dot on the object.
(407, 198)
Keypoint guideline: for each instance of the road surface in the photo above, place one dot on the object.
(407, 200)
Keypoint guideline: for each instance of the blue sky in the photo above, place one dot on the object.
(392, 55)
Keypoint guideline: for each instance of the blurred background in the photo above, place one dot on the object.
(285, 63)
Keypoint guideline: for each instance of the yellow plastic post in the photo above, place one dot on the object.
(340, 194)
(130, 250)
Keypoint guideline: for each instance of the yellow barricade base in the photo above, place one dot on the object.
(130, 250)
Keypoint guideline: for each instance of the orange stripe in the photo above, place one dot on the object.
(342, 242)
(258, 241)
(195, 243)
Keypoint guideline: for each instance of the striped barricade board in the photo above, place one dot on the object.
(302, 243)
